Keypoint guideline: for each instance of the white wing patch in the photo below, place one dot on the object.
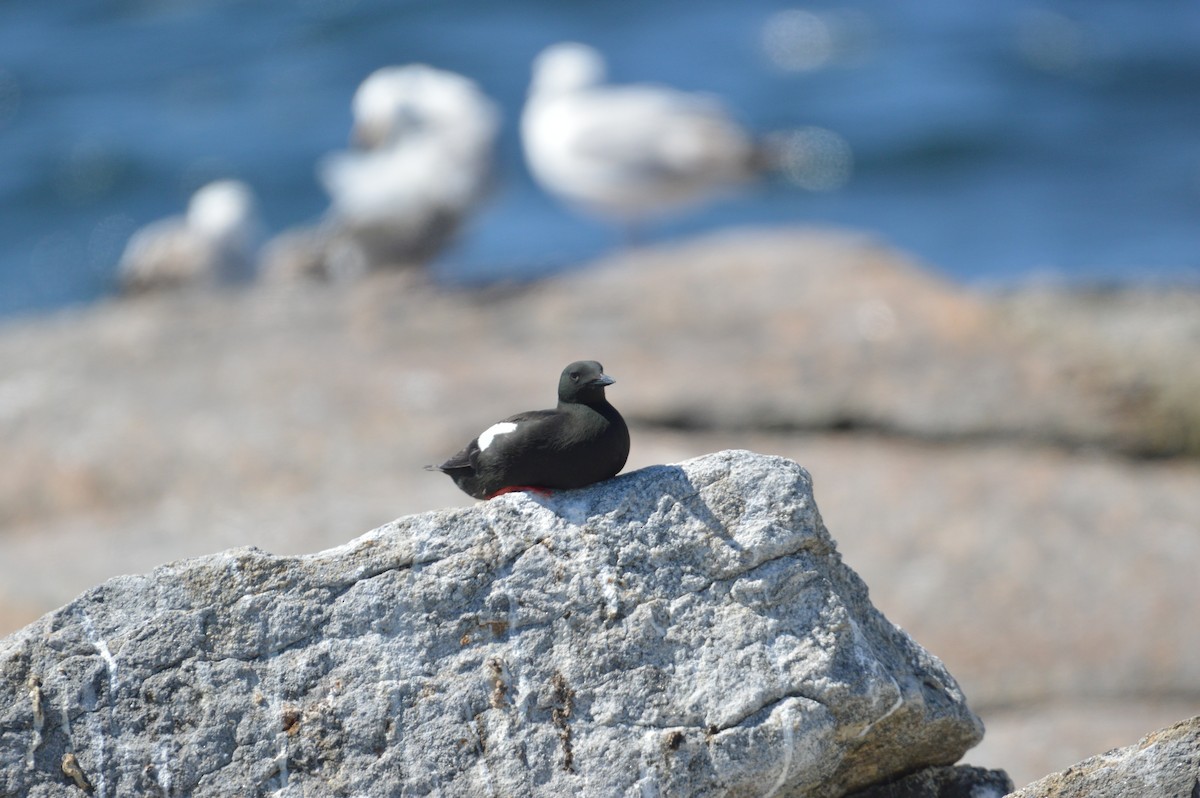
(488, 435)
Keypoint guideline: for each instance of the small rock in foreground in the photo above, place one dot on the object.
(1165, 764)
(684, 630)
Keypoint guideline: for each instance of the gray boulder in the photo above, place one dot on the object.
(685, 630)
(1165, 764)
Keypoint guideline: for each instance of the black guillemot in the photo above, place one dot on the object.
(583, 440)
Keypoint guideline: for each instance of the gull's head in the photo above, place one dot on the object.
(226, 211)
(566, 67)
(396, 103)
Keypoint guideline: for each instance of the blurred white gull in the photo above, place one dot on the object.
(627, 151)
(424, 141)
(214, 243)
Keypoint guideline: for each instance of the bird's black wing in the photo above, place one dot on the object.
(468, 458)
(532, 419)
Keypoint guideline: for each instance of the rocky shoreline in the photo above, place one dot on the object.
(1014, 475)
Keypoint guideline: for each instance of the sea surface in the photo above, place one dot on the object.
(997, 141)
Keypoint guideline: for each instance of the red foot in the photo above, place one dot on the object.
(545, 492)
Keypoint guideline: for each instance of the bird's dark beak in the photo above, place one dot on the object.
(603, 380)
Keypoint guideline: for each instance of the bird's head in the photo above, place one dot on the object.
(582, 382)
(566, 67)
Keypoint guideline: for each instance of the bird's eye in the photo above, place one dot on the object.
(575, 376)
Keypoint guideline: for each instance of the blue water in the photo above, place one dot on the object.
(995, 140)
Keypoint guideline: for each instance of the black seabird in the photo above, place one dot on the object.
(583, 440)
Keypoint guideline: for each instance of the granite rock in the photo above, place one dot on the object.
(681, 630)
(1165, 764)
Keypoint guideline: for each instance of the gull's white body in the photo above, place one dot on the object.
(626, 151)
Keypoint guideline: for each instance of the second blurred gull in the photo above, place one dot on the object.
(422, 158)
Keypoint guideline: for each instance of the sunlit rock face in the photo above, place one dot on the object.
(684, 630)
